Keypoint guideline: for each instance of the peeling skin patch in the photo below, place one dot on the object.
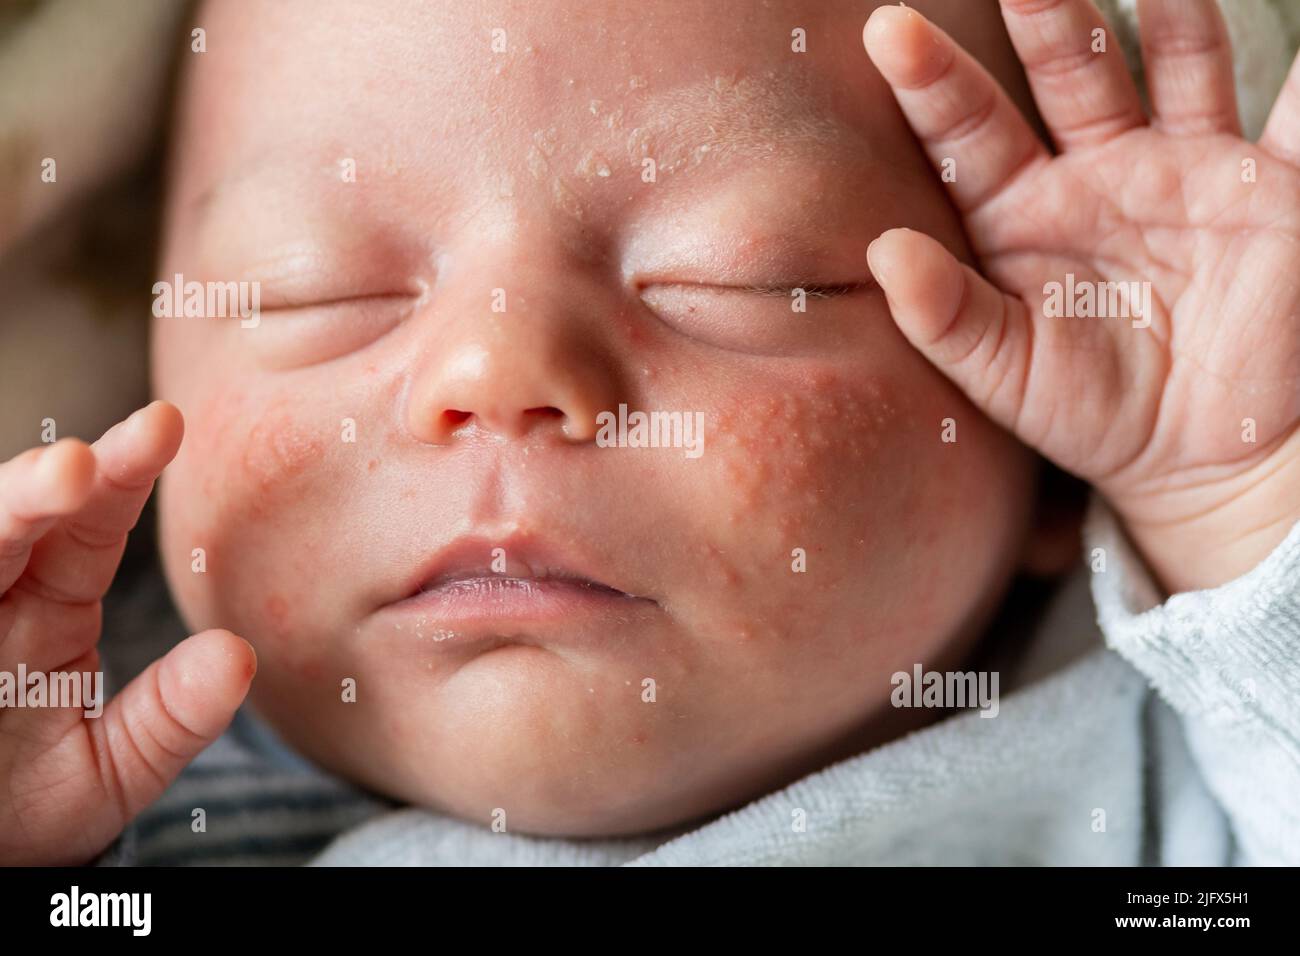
(567, 200)
(540, 168)
(592, 165)
(544, 140)
(540, 152)
(734, 115)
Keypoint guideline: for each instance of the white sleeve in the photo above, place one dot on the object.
(1227, 660)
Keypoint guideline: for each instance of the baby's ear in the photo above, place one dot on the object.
(1053, 543)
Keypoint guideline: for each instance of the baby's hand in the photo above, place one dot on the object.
(1186, 417)
(69, 782)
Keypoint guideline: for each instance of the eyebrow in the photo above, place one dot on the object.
(261, 166)
(753, 115)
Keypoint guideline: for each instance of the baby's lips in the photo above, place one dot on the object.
(520, 556)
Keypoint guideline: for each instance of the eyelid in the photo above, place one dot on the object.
(297, 279)
(302, 334)
(812, 288)
(819, 290)
(728, 317)
(282, 302)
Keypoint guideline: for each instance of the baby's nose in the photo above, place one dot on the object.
(511, 374)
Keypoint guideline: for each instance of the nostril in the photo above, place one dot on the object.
(453, 417)
(453, 420)
(545, 411)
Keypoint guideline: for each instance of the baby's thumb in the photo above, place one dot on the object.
(971, 331)
(172, 711)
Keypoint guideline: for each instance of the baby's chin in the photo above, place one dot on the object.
(545, 742)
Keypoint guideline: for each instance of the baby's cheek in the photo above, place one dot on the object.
(263, 455)
(262, 466)
(785, 455)
(792, 472)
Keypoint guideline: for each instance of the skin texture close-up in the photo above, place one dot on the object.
(438, 333)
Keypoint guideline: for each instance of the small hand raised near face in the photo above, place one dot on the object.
(1183, 409)
(69, 781)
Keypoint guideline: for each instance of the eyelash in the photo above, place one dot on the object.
(813, 290)
(286, 304)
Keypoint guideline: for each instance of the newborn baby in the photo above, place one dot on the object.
(479, 235)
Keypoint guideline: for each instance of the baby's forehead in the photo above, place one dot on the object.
(537, 102)
(492, 101)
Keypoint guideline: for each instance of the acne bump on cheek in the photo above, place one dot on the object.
(277, 636)
(789, 455)
(793, 467)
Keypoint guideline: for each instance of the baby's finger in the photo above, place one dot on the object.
(36, 489)
(1282, 134)
(1076, 70)
(165, 717)
(1188, 59)
(967, 124)
(76, 561)
(42, 635)
(975, 334)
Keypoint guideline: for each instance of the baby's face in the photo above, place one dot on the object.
(438, 336)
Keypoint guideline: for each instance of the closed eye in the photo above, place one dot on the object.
(813, 290)
(296, 332)
(283, 302)
(761, 318)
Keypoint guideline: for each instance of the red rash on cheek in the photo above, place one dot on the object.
(249, 455)
(278, 450)
(274, 458)
(292, 650)
(788, 454)
(277, 612)
(795, 470)
(252, 459)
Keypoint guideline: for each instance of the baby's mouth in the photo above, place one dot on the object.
(521, 580)
(474, 581)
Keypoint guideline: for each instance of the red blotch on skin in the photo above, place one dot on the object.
(311, 670)
(792, 467)
(277, 612)
(784, 452)
(296, 656)
(726, 571)
(278, 450)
